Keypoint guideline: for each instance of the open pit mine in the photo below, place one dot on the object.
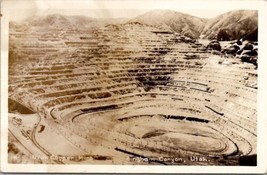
(127, 94)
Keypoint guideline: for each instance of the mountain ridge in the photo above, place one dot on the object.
(231, 25)
(227, 26)
(185, 24)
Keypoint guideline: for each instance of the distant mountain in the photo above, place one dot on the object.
(62, 21)
(230, 26)
(178, 22)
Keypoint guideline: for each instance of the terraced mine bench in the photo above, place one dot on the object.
(135, 90)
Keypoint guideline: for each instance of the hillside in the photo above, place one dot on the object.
(62, 21)
(228, 26)
(178, 22)
(231, 25)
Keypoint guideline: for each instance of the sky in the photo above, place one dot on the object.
(19, 10)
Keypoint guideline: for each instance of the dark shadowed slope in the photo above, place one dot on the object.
(231, 25)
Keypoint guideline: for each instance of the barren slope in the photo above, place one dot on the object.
(178, 22)
(232, 25)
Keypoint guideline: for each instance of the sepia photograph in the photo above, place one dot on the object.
(112, 86)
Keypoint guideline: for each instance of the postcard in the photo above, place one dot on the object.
(102, 86)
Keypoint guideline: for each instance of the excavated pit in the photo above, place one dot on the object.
(135, 90)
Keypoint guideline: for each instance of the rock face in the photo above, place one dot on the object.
(215, 45)
(248, 46)
(232, 25)
(247, 51)
(231, 49)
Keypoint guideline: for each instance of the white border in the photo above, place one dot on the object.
(9, 6)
